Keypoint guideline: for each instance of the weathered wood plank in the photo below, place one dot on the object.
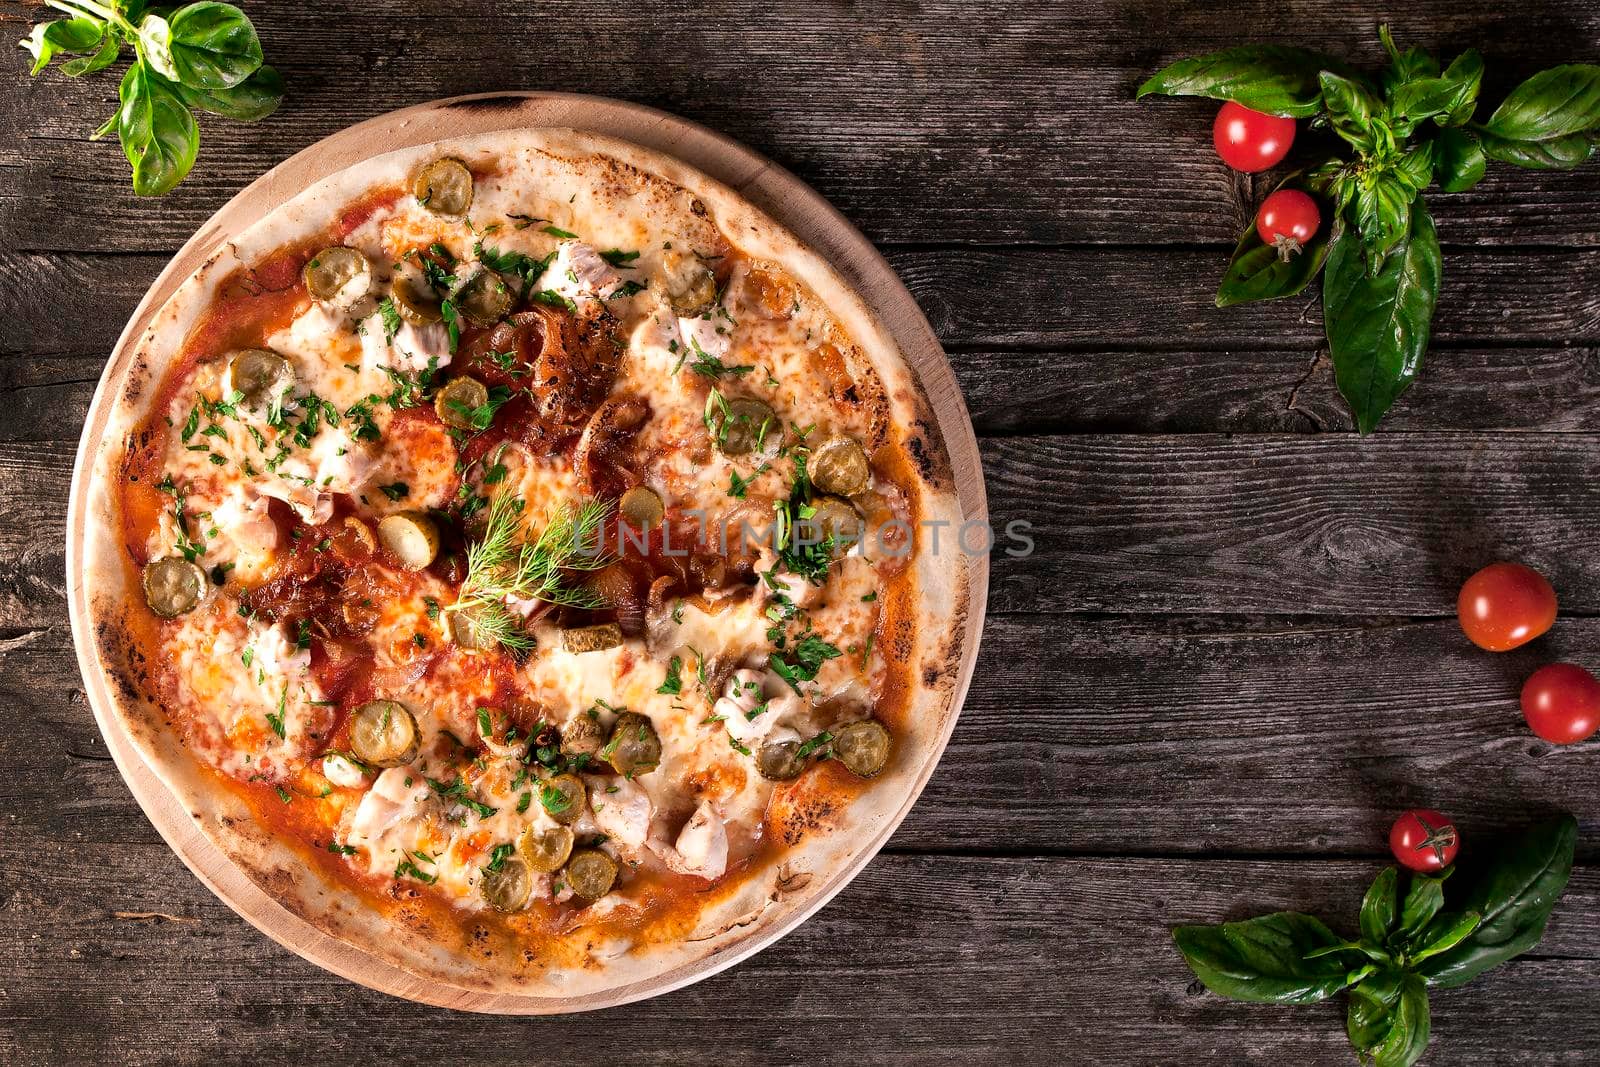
(1299, 525)
(1010, 391)
(1025, 958)
(917, 121)
(1548, 389)
(1194, 737)
(1139, 299)
(1387, 525)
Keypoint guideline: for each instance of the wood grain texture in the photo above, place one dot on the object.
(1228, 663)
(1118, 349)
(1027, 960)
(1190, 737)
(1261, 524)
(924, 122)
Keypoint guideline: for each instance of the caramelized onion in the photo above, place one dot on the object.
(602, 455)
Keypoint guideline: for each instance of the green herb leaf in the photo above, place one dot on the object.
(1561, 153)
(1381, 907)
(1552, 104)
(213, 46)
(74, 36)
(158, 132)
(1378, 324)
(1424, 899)
(1515, 894)
(1259, 271)
(1351, 106)
(249, 101)
(1271, 78)
(1388, 1019)
(1452, 94)
(155, 46)
(1445, 933)
(1458, 161)
(673, 683)
(1264, 960)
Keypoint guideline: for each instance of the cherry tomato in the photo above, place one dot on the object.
(1562, 703)
(1424, 840)
(1248, 140)
(1287, 221)
(1505, 605)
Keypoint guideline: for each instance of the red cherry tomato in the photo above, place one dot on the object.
(1287, 221)
(1505, 605)
(1248, 140)
(1424, 840)
(1562, 703)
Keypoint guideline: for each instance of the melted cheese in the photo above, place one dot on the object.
(246, 690)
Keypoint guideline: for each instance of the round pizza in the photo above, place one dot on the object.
(515, 553)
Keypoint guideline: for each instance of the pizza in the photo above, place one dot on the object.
(514, 552)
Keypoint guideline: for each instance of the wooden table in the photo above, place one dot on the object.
(1231, 660)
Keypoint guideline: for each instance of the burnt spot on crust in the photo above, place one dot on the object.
(810, 805)
(943, 666)
(136, 379)
(500, 102)
(925, 445)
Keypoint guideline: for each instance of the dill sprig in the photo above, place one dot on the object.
(505, 562)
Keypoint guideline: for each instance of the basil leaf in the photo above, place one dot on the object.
(1263, 960)
(1388, 1019)
(254, 98)
(1275, 79)
(1383, 212)
(1414, 63)
(1515, 895)
(74, 35)
(158, 132)
(1371, 1012)
(1458, 160)
(1351, 106)
(1560, 153)
(1553, 103)
(1381, 906)
(155, 45)
(213, 46)
(1257, 271)
(1424, 899)
(110, 48)
(1466, 70)
(1452, 94)
(1378, 324)
(1444, 933)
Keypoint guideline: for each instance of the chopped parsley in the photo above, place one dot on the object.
(809, 654)
(556, 231)
(674, 681)
(812, 745)
(619, 259)
(457, 791)
(498, 857)
(277, 721)
(407, 868)
(395, 490)
(551, 298)
(391, 319)
(553, 799)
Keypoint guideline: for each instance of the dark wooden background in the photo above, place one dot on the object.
(1231, 661)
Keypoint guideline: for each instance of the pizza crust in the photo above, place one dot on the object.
(809, 872)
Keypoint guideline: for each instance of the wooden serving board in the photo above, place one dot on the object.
(772, 189)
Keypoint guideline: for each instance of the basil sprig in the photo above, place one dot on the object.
(205, 56)
(1441, 931)
(1408, 129)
